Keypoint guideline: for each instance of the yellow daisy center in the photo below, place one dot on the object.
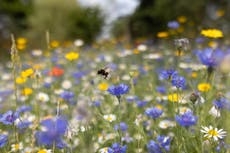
(213, 132)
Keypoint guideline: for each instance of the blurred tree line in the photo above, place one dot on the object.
(152, 16)
(65, 20)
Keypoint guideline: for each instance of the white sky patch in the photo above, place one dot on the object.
(112, 9)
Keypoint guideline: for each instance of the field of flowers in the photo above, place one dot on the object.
(172, 96)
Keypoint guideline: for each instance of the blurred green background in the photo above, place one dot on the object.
(68, 20)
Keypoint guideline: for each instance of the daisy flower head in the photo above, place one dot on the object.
(16, 147)
(110, 117)
(44, 151)
(213, 133)
(212, 33)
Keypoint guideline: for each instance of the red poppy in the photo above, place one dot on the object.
(56, 71)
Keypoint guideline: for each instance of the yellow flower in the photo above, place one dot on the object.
(21, 41)
(21, 47)
(103, 86)
(212, 44)
(220, 13)
(182, 19)
(173, 97)
(136, 51)
(72, 56)
(212, 33)
(179, 53)
(194, 74)
(26, 73)
(20, 80)
(204, 87)
(44, 151)
(162, 34)
(27, 91)
(54, 44)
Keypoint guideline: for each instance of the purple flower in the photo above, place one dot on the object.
(9, 117)
(167, 74)
(221, 103)
(210, 57)
(54, 131)
(24, 108)
(118, 90)
(161, 89)
(153, 147)
(23, 124)
(117, 148)
(141, 103)
(122, 126)
(153, 112)
(186, 119)
(3, 140)
(173, 24)
(67, 95)
(164, 142)
(178, 81)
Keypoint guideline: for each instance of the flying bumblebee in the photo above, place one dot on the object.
(105, 72)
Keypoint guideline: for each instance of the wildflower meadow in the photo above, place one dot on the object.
(170, 94)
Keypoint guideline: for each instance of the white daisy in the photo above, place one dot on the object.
(16, 147)
(110, 117)
(214, 133)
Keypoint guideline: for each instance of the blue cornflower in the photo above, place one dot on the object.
(9, 117)
(167, 74)
(173, 24)
(67, 95)
(164, 142)
(178, 81)
(54, 131)
(141, 103)
(122, 126)
(221, 103)
(153, 147)
(3, 140)
(210, 57)
(117, 148)
(24, 108)
(131, 98)
(118, 90)
(23, 124)
(97, 103)
(161, 89)
(186, 119)
(153, 112)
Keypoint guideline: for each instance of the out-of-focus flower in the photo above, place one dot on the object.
(16, 147)
(204, 87)
(153, 112)
(72, 56)
(43, 97)
(27, 73)
(221, 103)
(67, 95)
(182, 19)
(118, 90)
(173, 24)
(164, 124)
(66, 84)
(210, 57)
(103, 86)
(56, 71)
(182, 44)
(9, 117)
(110, 117)
(174, 97)
(27, 91)
(3, 140)
(78, 42)
(224, 64)
(162, 34)
(212, 33)
(179, 81)
(122, 126)
(54, 130)
(54, 44)
(104, 150)
(167, 74)
(213, 133)
(20, 80)
(44, 151)
(161, 145)
(117, 148)
(214, 112)
(186, 119)
(142, 47)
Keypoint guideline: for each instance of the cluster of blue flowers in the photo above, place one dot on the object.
(161, 145)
